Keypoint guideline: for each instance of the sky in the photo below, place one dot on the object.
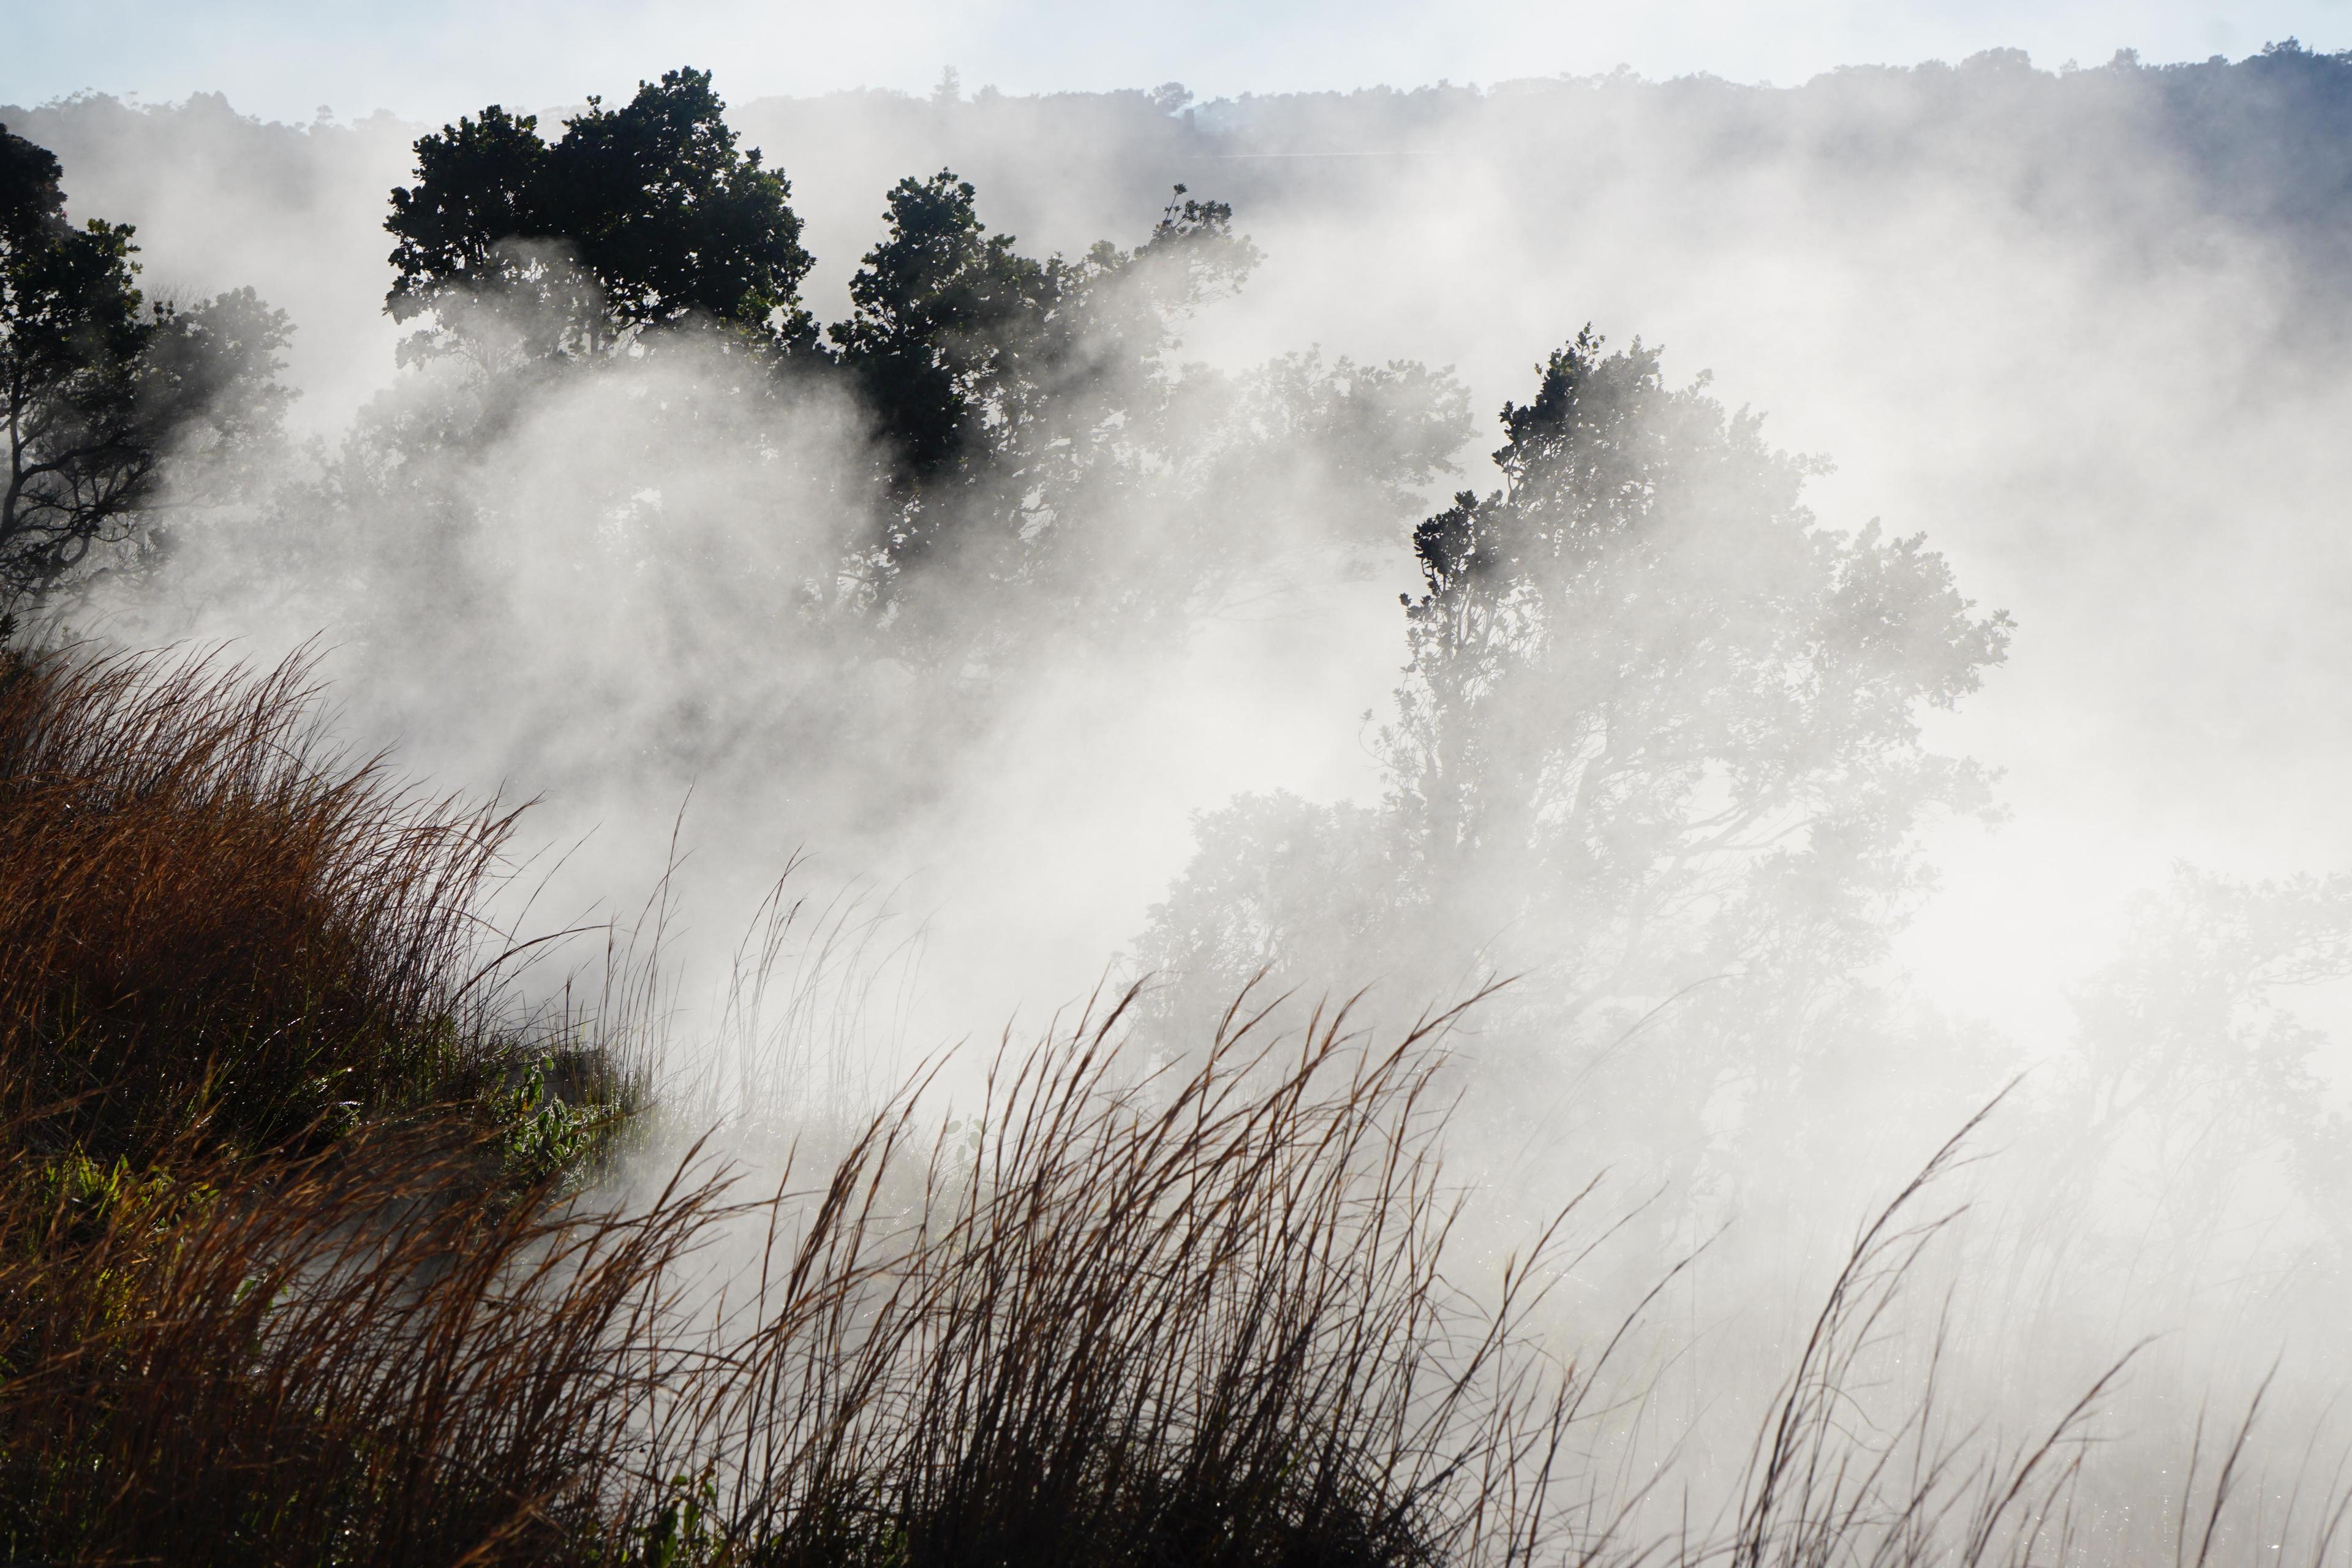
(430, 58)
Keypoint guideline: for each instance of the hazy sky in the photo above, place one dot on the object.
(284, 58)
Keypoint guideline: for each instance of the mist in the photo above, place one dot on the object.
(2081, 330)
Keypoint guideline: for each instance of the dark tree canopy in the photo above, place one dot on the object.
(72, 332)
(1003, 387)
(101, 387)
(1028, 418)
(959, 341)
(946, 321)
(480, 183)
(640, 216)
(1017, 451)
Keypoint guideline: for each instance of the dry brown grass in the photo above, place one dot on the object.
(217, 926)
(257, 1303)
(324, 1362)
(1199, 1322)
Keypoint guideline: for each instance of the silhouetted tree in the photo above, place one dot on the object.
(947, 326)
(1640, 653)
(999, 382)
(1030, 420)
(1657, 751)
(1038, 431)
(1035, 460)
(641, 216)
(101, 387)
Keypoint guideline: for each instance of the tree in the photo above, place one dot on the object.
(1030, 421)
(638, 217)
(949, 325)
(1639, 666)
(1656, 754)
(103, 388)
(991, 452)
(1000, 383)
(1037, 430)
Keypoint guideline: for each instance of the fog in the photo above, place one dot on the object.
(2083, 330)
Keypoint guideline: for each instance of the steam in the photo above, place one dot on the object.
(2072, 327)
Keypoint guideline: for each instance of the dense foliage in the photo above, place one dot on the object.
(1019, 409)
(101, 387)
(638, 217)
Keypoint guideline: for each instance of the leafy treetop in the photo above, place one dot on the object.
(1657, 751)
(644, 216)
(102, 387)
(999, 382)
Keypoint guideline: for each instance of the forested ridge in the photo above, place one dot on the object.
(2261, 141)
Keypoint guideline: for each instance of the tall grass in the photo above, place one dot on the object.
(1206, 1325)
(219, 929)
(1203, 1320)
(255, 1304)
(259, 1305)
(324, 1362)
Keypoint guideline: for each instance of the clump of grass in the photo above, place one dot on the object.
(1203, 1320)
(259, 1304)
(323, 1360)
(1200, 1322)
(219, 930)
(1832, 1480)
